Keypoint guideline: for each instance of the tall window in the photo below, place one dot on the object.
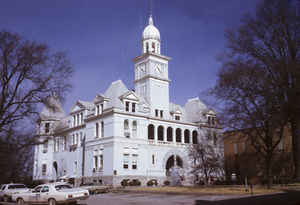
(215, 138)
(125, 161)
(74, 120)
(134, 161)
(77, 119)
(195, 137)
(153, 159)
(178, 135)
(169, 134)
(81, 118)
(134, 128)
(161, 113)
(127, 106)
(156, 113)
(77, 139)
(147, 47)
(47, 127)
(160, 133)
(45, 147)
(97, 129)
(102, 108)
(44, 169)
(56, 144)
(133, 107)
(153, 47)
(126, 129)
(97, 110)
(75, 167)
(102, 129)
(151, 132)
(186, 136)
(64, 144)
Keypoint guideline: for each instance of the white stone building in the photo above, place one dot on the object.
(123, 134)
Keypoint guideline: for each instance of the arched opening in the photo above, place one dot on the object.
(147, 47)
(169, 134)
(195, 137)
(160, 133)
(151, 132)
(178, 135)
(171, 163)
(153, 47)
(186, 136)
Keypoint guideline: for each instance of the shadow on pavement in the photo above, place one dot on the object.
(287, 198)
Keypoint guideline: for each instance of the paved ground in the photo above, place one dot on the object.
(291, 198)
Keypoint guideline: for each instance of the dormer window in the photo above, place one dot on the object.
(211, 120)
(156, 113)
(99, 109)
(127, 106)
(133, 107)
(177, 117)
(47, 127)
(161, 114)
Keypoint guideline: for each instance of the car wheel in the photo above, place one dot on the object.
(20, 201)
(51, 202)
(5, 198)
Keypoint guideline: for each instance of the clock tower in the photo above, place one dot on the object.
(151, 73)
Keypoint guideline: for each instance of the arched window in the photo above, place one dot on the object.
(169, 134)
(186, 136)
(151, 132)
(153, 47)
(134, 128)
(178, 135)
(195, 137)
(160, 133)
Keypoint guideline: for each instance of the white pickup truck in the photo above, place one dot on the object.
(52, 194)
(7, 190)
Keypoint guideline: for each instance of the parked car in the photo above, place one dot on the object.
(7, 190)
(52, 194)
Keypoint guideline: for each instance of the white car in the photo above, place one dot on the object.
(7, 190)
(52, 194)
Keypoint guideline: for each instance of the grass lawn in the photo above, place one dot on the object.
(215, 190)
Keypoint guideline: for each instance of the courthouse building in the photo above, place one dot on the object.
(124, 134)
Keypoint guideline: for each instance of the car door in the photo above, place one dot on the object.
(35, 195)
(44, 194)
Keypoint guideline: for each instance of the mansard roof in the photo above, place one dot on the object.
(52, 110)
(195, 110)
(115, 90)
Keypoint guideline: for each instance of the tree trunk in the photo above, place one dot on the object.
(295, 126)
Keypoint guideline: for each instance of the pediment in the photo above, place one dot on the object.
(99, 98)
(77, 107)
(129, 96)
(211, 112)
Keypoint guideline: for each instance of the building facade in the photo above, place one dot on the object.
(123, 134)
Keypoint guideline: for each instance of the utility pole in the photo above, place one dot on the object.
(83, 159)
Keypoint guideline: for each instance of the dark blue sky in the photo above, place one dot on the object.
(102, 37)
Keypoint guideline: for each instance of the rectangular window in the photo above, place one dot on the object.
(126, 161)
(96, 162)
(161, 113)
(80, 139)
(47, 127)
(77, 119)
(133, 107)
(81, 118)
(73, 139)
(64, 147)
(56, 144)
(97, 129)
(77, 139)
(101, 162)
(156, 113)
(177, 117)
(97, 110)
(102, 108)
(102, 129)
(153, 159)
(134, 161)
(235, 148)
(127, 106)
(44, 169)
(45, 147)
(74, 120)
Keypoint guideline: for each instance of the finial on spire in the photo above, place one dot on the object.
(150, 20)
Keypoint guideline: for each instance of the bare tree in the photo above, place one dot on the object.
(270, 43)
(207, 161)
(29, 74)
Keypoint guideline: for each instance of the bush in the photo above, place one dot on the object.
(135, 182)
(166, 183)
(125, 182)
(152, 182)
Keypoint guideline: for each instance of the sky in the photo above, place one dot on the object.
(102, 37)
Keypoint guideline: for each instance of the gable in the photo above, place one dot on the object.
(130, 96)
(99, 98)
(76, 108)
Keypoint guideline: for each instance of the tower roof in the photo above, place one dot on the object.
(151, 32)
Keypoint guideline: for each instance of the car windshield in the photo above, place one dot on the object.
(17, 186)
(62, 186)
